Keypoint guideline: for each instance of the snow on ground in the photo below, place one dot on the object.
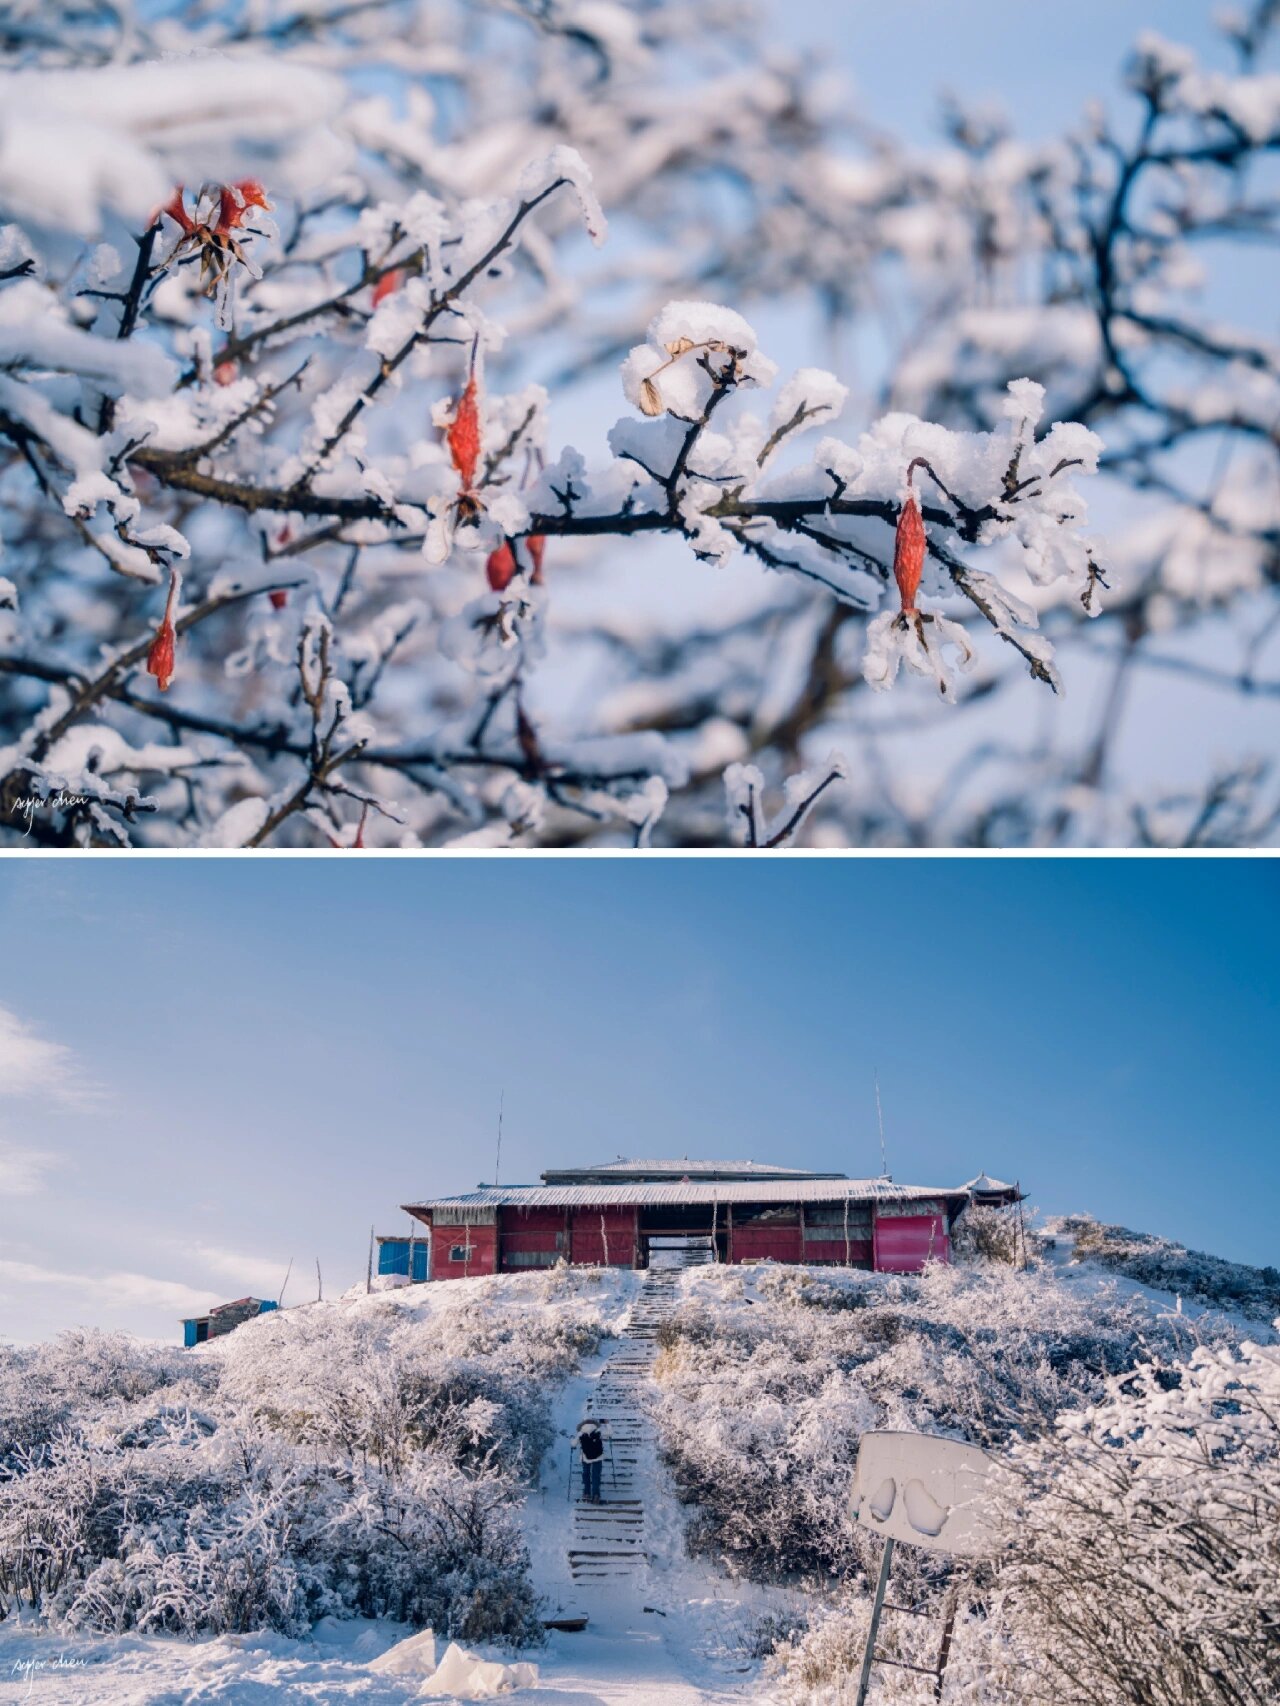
(673, 1637)
(1059, 1253)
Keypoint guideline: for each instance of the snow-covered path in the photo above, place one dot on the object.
(622, 1563)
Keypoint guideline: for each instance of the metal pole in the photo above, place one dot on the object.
(864, 1681)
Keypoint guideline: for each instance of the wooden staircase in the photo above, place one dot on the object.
(607, 1542)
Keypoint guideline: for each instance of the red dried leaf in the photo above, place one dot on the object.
(176, 208)
(908, 552)
(386, 285)
(235, 200)
(463, 435)
(279, 597)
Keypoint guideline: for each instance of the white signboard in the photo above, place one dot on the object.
(923, 1490)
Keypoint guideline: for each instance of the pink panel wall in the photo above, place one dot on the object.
(904, 1243)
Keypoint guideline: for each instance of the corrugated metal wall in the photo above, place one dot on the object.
(603, 1237)
(463, 1252)
(905, 1242)
(394, 1257)
(532, 1237)
(766, 1235)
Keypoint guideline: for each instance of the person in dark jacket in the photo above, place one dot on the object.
(590, 1442)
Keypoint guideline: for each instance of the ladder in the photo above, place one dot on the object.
(879, 1605)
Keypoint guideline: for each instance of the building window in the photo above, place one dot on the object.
(458, 1253)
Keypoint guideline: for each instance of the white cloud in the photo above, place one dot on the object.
(110, 1291)
(32, 1065)
(22, 1170)
(247, 1276)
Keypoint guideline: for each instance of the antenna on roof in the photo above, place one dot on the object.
(884, 1166)
(497, 1160)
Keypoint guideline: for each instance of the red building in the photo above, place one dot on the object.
(624, 1213)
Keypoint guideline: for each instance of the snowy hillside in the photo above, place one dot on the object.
(278, 1511)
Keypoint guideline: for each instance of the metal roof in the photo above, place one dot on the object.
(682, 1167)
(623, 1171)
(622, 1196)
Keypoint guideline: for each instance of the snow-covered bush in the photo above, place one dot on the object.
(471, 1383)
(1139, 1554)
(1157, 1261)
(217, 1528)
(988, 1234)
(365, 1458)
(43, 1387)
(762, 1406)
(294, 555)
(1143, 1555)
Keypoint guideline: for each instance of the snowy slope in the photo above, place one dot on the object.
(670, 1630)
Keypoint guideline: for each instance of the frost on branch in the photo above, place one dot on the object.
(749, 824)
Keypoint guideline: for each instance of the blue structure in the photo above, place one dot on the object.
(224, 1319)
(407, 1256)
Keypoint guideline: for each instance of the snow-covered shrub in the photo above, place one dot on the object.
(989, 1234)
(1157, 1261)
(367, 1458)
(470, 1381)
(440, 1548)
(761, 1407)
(42, 1387)
(1143, 1552)
(238, 1529)
(215, 1534)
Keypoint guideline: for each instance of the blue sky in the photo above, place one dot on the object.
(208, 1067)
(1038, 62)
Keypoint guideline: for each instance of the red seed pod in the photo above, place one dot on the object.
(386, 285)
(279, 597)
(160, 658)
(501, 566)
(226, 373)
(908, 552)
(463, 435)
(504, 561)
(537, 545)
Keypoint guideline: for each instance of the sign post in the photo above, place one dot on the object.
(923, 1491)
(868, 1657)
